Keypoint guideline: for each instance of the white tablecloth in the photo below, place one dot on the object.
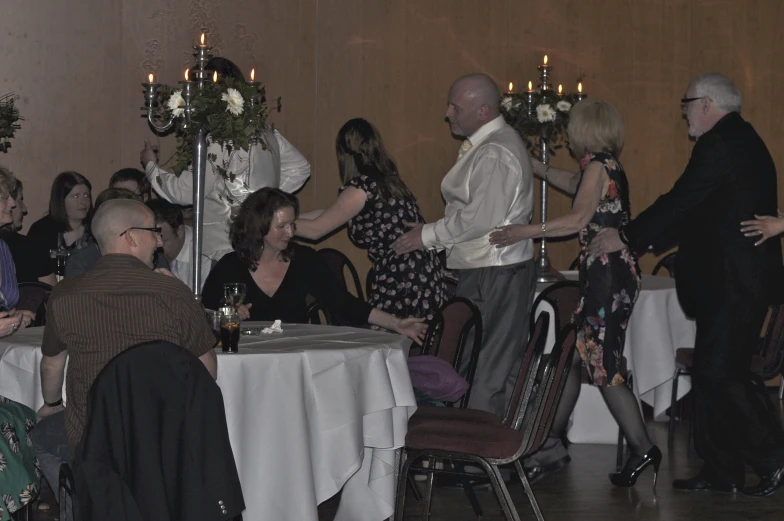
(309, 411)
(657, 327)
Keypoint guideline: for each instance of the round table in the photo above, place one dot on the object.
(309, 411)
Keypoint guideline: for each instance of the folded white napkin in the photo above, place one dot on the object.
(274, 328)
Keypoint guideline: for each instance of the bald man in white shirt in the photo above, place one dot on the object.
(490, 185)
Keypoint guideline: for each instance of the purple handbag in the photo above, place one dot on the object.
(437, 378)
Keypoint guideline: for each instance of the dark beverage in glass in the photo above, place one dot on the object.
(230, 334)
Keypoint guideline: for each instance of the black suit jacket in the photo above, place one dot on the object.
(156, 446)
(730, 178)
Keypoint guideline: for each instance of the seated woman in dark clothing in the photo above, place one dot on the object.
(70, 205)
(279, 274)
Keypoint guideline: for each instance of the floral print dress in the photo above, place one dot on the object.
(20, 475)
(409, 285)
(609, 284)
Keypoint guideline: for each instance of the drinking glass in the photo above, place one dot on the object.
(235, 294)
(230, 332)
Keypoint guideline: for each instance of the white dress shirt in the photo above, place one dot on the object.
(490, 185)
(281, 165)
(182, 266)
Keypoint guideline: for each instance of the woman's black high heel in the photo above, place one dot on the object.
(628, 476)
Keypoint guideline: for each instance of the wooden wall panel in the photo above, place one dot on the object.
(78, 70)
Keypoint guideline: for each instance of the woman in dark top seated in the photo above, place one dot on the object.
(279, 274)
(70, 204)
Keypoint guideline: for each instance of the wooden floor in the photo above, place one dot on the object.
(583, 492)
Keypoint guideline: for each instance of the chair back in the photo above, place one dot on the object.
(539, 417)
(33, 296)
(564, 297)
(450, 330)
(772, 348)
(370, 279)
(338, 263)
(666, 263)
(526, 377)
(575, 265)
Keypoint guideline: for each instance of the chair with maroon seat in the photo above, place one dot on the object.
(666, 263)
(460, 436)
(564, 297)
(765, 365)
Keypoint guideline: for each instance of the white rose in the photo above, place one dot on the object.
(506, 103)
(563, 106)
(545, 113)
(176, 103)
(234, 102)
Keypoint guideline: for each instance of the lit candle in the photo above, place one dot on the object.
(560, 89)
(530, 86)
(186, 74)
(215, 77)
(252, 74)
(580, 94)
(545, 59)
(511, 85)
(529, 100)
(151, 78)
(202, 40)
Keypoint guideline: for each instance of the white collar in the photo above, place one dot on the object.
(185, 253)
(485, 130)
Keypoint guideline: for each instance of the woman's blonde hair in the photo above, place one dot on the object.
(8, 183)
(595, 126)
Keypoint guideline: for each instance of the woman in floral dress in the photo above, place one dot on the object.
(609, 284)
(20, 476)
(376, 204)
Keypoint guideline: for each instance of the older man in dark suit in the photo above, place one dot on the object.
(724, 282)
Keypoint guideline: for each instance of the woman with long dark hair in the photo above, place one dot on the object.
(376, 204)
(70, 206)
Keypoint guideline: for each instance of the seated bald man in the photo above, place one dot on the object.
(119, 303)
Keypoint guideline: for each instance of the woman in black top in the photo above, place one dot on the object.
(70, 205)
(279, 274)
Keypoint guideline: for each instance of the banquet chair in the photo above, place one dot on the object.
(564, 297)
(666, 263)
(767, 363)
(458, 435)
(338, 263)
(575, 265)
(448, 335)
(66, 495)
(33, 296)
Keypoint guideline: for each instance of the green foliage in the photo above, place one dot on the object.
(9, 120)
(533, 124)
(211, 113)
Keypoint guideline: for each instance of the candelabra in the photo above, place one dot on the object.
(544, 270)
(190, 89)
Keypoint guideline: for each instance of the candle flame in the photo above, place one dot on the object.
(560, 89)
(186, 74)
(530, 86)
(215, 77)
(252, 74)
(545, 59)
(511, 85)
(202, 38)
(150, 77)
(580, 87)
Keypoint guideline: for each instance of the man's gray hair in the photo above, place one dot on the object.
(720, 89)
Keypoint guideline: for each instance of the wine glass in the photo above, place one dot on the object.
(234, 293)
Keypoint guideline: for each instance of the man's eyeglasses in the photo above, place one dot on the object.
(157, 230)
(684, 101)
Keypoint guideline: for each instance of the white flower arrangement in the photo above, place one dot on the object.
(563, 106)
(545, 113)
(176, 104)
(234, 101)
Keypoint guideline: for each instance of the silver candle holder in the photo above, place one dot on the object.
(190, 90)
